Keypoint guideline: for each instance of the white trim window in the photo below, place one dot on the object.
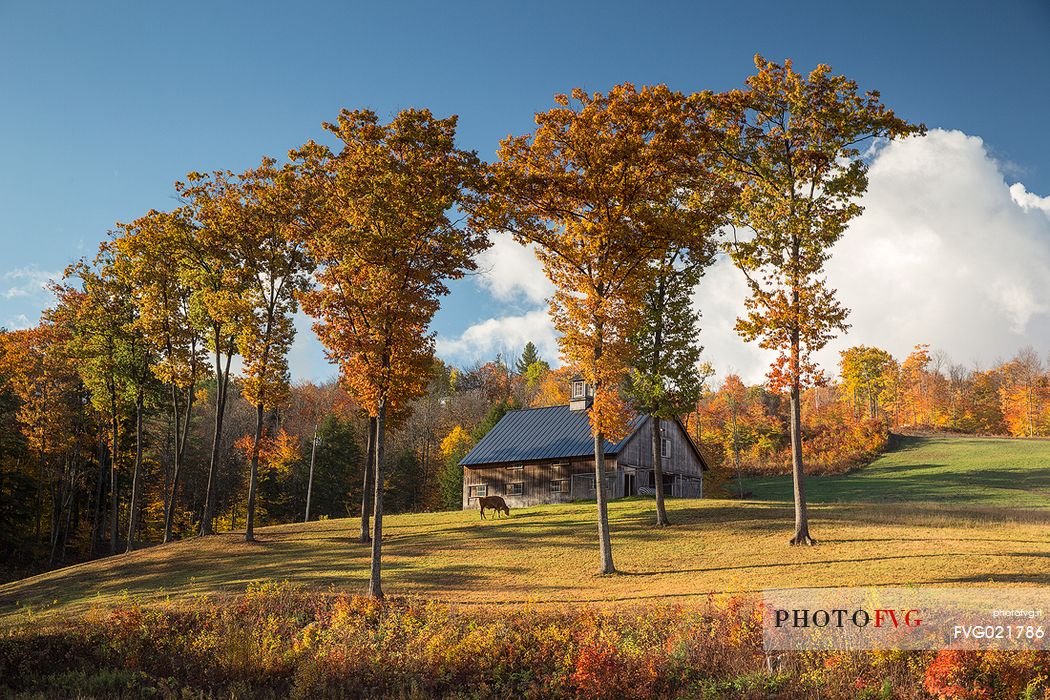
(559, 486)
(665, 448)
(515, 488)
(478, 491)
(578, 389)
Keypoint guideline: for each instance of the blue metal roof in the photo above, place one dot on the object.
(534, 434)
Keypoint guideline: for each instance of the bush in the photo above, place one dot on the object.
(277, 641)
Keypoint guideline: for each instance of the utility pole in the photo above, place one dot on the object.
(310, 483)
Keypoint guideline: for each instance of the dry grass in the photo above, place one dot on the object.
(549, 554)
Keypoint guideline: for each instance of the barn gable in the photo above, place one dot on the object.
(681, 452)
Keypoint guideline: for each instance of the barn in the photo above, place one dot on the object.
(546, 455)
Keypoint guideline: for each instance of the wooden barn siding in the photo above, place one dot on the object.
(536, 479)
(638, 451)
(683, 461)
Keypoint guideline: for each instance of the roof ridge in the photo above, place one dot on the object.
(536, 408)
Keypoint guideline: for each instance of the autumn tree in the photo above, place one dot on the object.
(262, 237)
(590, 186)
(141, 383)
(866, 372)
(382, 234)
(40, 371)
(982, 411)
(1025, 395)
(454, 447)
(213, 213)
(792, 146)
(112, 360)
(551, 386)
(156, 270)
(735, 395)
(913, 386)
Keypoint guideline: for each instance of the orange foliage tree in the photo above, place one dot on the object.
(1025, 395)
(378, 226)
(39, 370)
(591, 187)
(792, 146)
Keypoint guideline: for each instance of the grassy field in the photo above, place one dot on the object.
(939, 469)
(942, 511)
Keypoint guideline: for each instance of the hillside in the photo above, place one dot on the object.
(981, 472)
(918, 533)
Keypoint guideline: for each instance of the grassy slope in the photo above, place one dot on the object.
(549, 554)
(945, 469)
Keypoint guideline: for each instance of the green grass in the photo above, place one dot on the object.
(945, 511)
(982, 472)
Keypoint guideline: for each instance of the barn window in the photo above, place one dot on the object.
(577, 390)
(515, 489)
(665, 448)
(479, 491)
(516, 466)
(559, 486)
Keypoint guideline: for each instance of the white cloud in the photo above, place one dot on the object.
(28, 281)
(510, 271)
(719, 299)
(506, 334)
(945, 253)
(1028, 200)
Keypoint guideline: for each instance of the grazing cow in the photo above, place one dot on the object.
(495, 503)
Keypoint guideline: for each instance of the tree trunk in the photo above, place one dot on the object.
(658, 472)
(180, 441)
(135, 476)
(366, 501)
(798, 476)
(71, 500)
(40, 495)
(221, 376)
(179, 444)
(253, 478)
(57, 496)
(114, 499)
(310, 481)
(96, 520)
(604, 542)
(375, 589)
(657, 370)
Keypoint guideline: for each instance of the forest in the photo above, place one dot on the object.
(153, 401)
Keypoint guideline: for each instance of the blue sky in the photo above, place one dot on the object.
(104, 105)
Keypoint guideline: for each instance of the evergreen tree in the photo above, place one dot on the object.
(666, 381)
(529, 356)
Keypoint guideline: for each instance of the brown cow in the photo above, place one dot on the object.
(495, 503)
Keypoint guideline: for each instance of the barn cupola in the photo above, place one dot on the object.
(580, 394)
